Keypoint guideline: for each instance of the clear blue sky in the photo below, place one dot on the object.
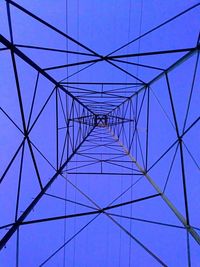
(103, 27)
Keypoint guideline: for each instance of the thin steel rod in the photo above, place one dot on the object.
(18, 52)
(181, 218)
(23, 216)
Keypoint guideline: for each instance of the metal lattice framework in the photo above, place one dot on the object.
(133, 142)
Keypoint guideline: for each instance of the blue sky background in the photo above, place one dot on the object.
(102, 26)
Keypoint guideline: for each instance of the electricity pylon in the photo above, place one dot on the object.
(123, 155)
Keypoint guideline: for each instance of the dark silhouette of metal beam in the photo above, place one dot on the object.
(31, 206)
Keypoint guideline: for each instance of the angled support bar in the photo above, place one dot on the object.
(152, 53)
(180, 217)
(14, 228)
(189, 54)
(20, 54)
(51, 26)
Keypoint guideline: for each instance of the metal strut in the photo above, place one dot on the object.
(181, 218)
(14, 228)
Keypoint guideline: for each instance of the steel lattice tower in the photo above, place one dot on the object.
(98, 171)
